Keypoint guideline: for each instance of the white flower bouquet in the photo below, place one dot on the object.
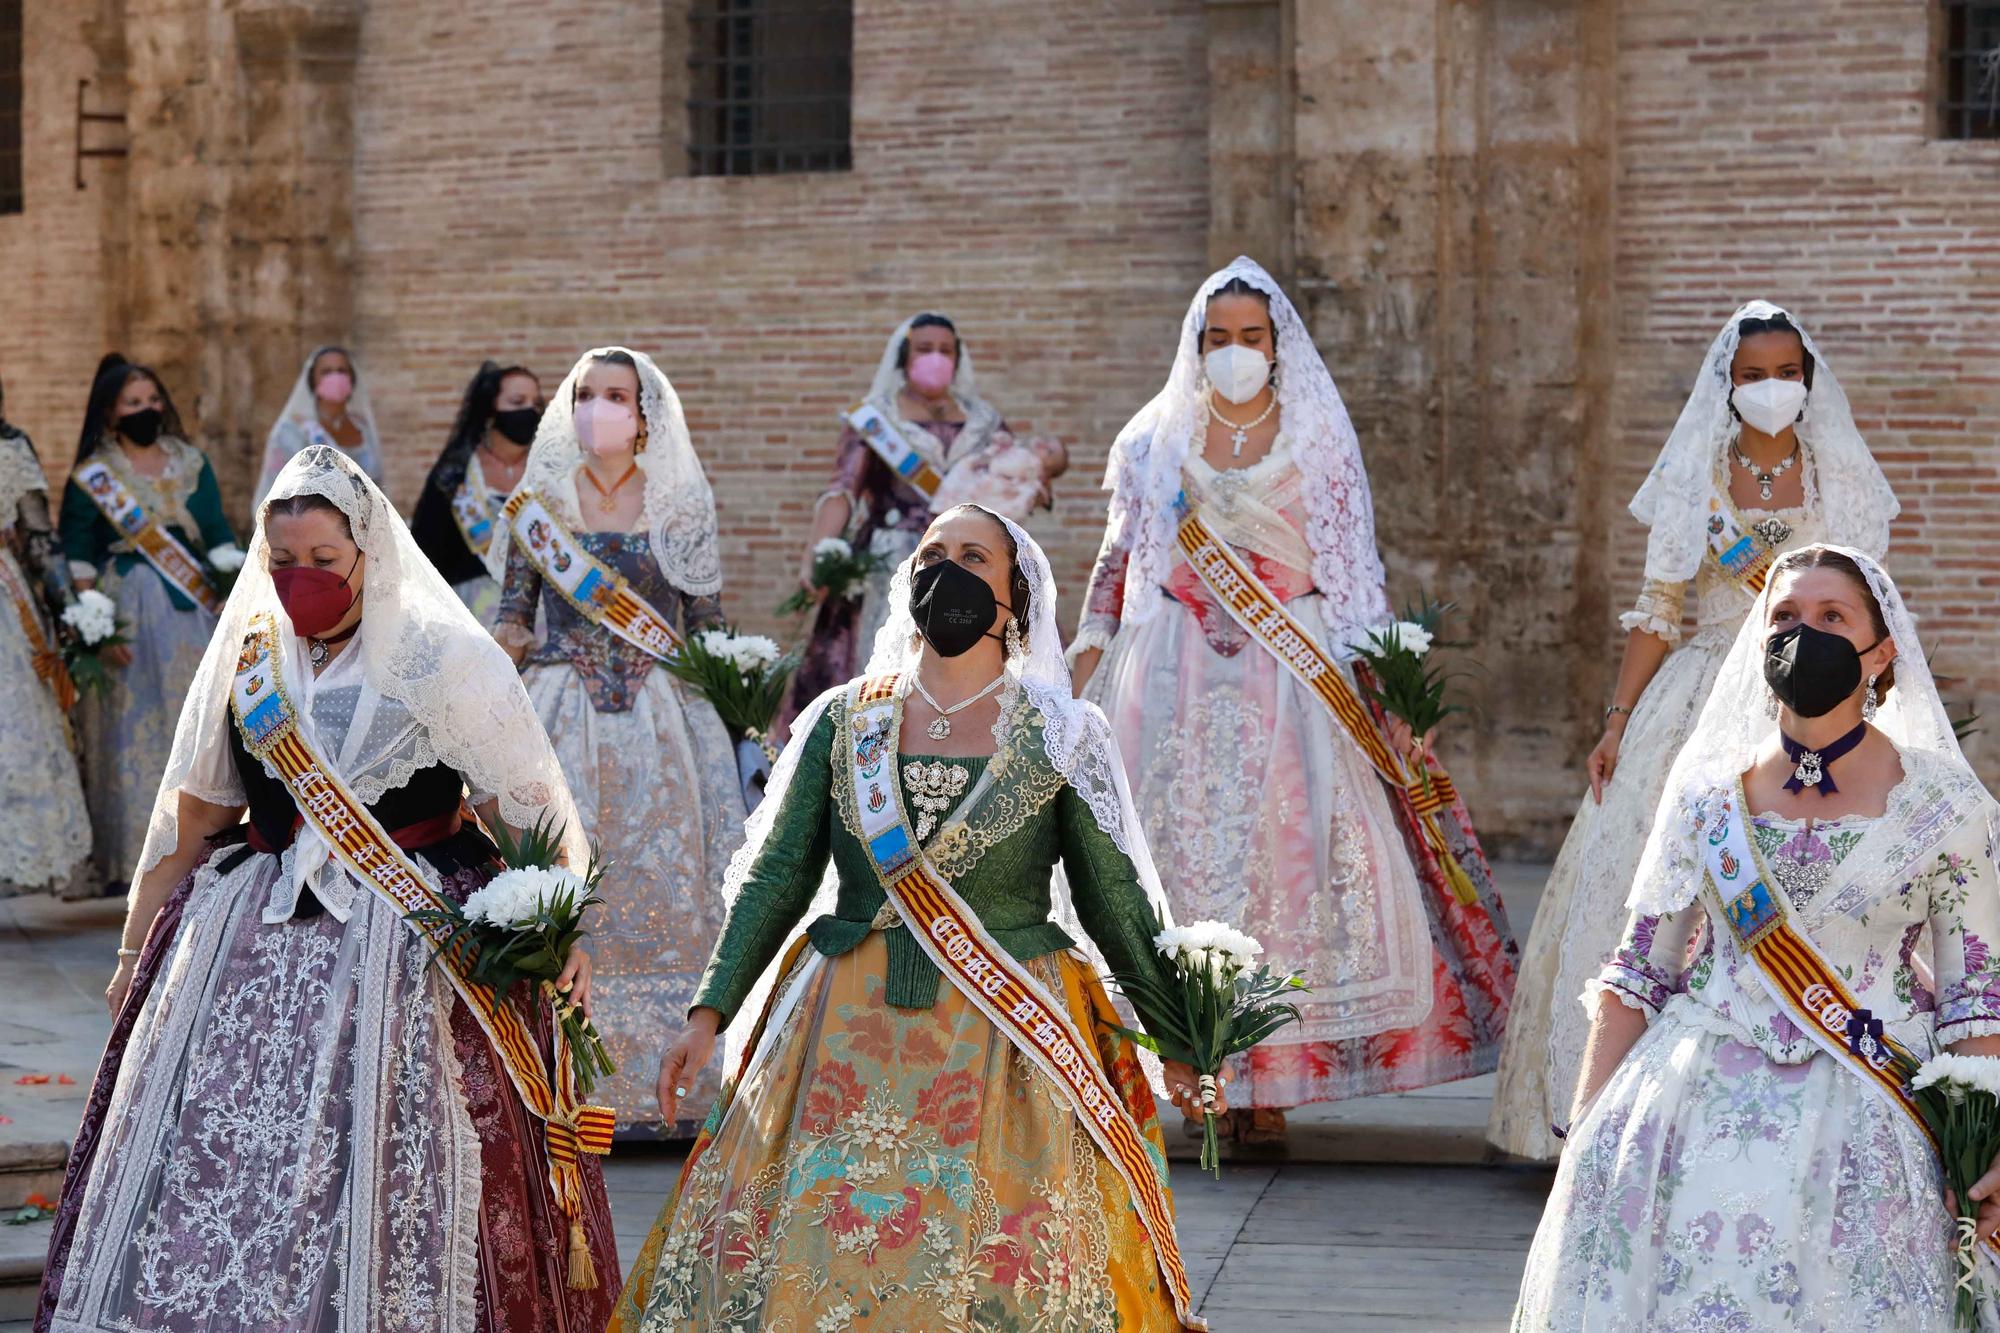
(743, 675)
(1402, 678)
(521, 926)
(838, 569)
(1959, 1098)
(1215, 1001)
(224, 563)
(93, 628)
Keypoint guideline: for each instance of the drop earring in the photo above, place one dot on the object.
(1870, 701)
(1771, 706)
(1015, 648)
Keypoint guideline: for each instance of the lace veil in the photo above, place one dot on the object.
(1738, 719)
(301, 411)
(981, 417)
(1075, 737)
(1146, 460)
(420, 647)
(680, 508)
(1842, 478)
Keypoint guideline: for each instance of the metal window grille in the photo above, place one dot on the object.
(770, 86)
(10, 106)
(1970, 106)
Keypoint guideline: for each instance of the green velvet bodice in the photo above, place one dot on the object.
(999, 854)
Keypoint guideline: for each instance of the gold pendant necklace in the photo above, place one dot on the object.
(608, 500)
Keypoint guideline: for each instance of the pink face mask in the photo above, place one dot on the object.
(931, 372)
(335, 386)
(604, 428)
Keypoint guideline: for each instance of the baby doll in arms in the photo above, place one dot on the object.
(1010, 476)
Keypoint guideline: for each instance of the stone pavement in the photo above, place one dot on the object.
(1345, 1236)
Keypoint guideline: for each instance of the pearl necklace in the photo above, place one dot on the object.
(940, 726)
(1764, 479)
(1240, 434)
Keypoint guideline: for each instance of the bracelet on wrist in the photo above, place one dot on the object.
(1615, 710)
(127, 953)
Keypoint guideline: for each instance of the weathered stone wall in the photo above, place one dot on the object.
(1453, 175)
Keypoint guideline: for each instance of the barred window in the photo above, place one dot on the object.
(770, 86)
(10, 106)
(1970, 45)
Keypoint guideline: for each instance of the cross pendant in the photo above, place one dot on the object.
(1237, 439)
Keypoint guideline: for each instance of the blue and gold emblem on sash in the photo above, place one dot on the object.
(1751, 913)
(890, 848)
(1740, 557)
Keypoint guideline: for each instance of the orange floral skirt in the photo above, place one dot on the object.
(902, 1169)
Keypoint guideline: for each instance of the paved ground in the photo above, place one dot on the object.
(1346, 1236)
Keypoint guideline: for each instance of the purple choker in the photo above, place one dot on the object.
(1814, 768)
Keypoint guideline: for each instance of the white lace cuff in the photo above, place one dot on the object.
(1097, 636)
(1652, 624)
(1970, 1027)
(1598, 986)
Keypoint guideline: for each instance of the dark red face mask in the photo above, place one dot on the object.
(315, 599)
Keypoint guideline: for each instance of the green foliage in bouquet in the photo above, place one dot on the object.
(1408, 682)
(743, 675)
(838, 570)
(522, 925)
(1214, 1002)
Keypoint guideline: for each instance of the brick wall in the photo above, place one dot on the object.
(51, 260)
(1035, 169)
(1801, 167)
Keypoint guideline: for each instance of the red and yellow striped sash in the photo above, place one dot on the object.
(47, 658)
(267, 721)
(174, 562)
(951, 936)
(1236, 586)
(599, 593)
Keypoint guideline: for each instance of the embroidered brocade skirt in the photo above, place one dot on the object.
(656, 785)
(1262, 812)
(1711, 1188)
(44, 829)
(298, 1128)
(128, 731)
(888, 1168)
(1582, 911)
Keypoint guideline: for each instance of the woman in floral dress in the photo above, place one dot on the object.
(1730, 1165)
(889, 1157)
(926, 391)
(1720, 481)
(328, 404)
(1265, 810)
(649, 762)
(300, 1125)
(131, 429)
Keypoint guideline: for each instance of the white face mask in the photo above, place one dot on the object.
(1770, 405)
(1237, 372)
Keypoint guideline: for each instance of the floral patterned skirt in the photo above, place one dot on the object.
(44, 831)
(1713, 1188)
(901, 1169)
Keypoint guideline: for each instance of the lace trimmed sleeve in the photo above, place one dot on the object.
(1658, 610)
(1104, 596)
(1647, 969)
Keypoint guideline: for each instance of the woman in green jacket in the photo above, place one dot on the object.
(141, 517)
(914, 1140)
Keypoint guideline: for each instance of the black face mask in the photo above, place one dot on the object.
(142, 427)
(953, 607)
(518, 423)
(1811, 671)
